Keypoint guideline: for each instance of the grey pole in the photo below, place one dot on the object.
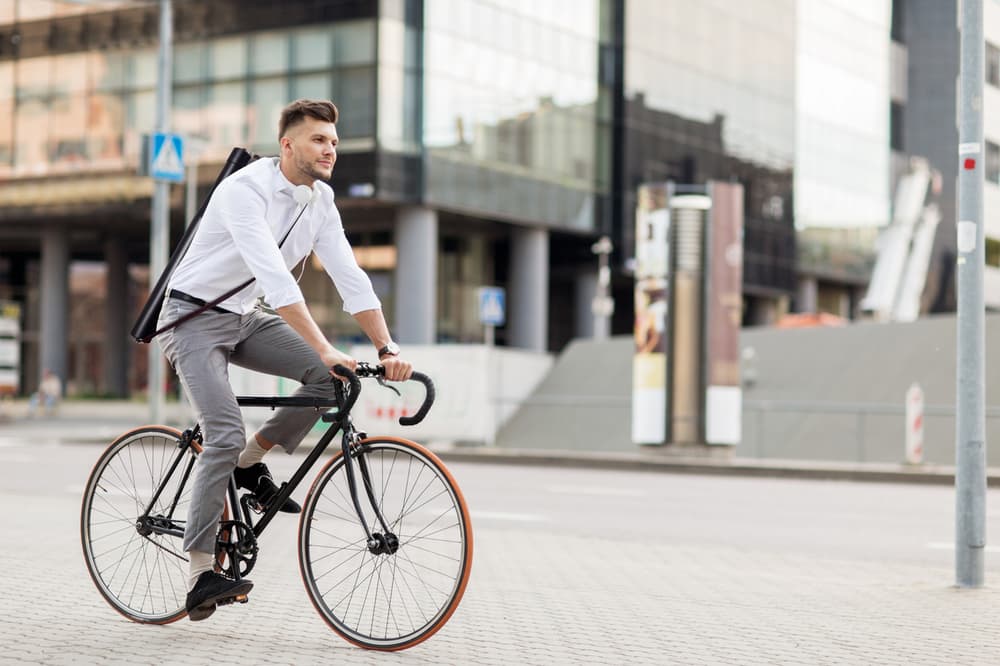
(970, 449)
(159, 232)
(603, 306)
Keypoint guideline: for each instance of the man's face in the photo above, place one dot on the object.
(310, 150)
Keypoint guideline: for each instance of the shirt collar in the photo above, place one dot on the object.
(284, 185)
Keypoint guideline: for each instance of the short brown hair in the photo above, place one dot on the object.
(300, 109)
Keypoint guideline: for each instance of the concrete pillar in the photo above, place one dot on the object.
(54, 303)
(807, 295)
(116, 346)
(416, 276)
(528, 297)
(586, 289)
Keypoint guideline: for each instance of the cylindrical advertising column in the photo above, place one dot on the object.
(723, 314)
(650, 403)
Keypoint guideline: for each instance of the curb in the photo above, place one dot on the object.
(796, 469)
(656, 461)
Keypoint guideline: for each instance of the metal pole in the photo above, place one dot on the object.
(970, 449)
(603, 306)
(489, 335)
(159, 232)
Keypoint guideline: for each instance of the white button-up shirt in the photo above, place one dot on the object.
(238, 235)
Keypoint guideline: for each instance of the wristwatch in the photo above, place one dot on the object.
(391, 349)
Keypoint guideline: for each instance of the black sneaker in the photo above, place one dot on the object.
(213, 589)
(258, 480)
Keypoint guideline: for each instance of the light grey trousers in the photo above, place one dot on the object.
(201, 350)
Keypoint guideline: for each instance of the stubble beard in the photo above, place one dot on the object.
(311, 170)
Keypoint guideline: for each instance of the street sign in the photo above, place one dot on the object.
(491, 306)
(10, 347)
(166, 159)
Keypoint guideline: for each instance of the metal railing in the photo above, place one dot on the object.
(882, 418)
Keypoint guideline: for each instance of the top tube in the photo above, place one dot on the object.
(275, 401)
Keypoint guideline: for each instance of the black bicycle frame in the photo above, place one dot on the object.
(339, 421)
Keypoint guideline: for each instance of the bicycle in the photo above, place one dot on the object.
(384, 539)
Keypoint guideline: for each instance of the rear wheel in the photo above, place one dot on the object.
(141, 572)
(379, 597)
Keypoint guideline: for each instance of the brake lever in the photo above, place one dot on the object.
(381, 381)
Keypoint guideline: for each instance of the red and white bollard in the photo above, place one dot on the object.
(914, 424)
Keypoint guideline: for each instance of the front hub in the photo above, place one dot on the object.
(383, 544)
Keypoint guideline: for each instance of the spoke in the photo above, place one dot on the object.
(420, 534)
(346, 561)
(417, 566)
(435, 553)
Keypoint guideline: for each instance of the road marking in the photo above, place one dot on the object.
(513, 517)
(595, 490)
(15, 457)
(948, 545)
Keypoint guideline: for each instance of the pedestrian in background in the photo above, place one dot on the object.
(48, 394)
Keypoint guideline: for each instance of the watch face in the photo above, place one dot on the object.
(391, 349)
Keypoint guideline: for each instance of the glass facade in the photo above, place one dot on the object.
(842, 87)
(709, 92)
(514, 122)
(88, 111)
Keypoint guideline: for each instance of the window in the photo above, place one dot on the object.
(896, 31)
(269, 54)
(992, 162)
(228, 58)
(312, 49)
(189, 63)
(993, 252)
(896, 126)
(992, 65)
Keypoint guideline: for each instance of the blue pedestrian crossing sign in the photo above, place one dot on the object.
(491, 306)
(166, 159)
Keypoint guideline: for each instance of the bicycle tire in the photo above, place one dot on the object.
(409, 594)
(145, 578)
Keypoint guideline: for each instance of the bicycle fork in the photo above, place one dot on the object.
(379, 543)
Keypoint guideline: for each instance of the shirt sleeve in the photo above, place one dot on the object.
(242, 211)
(334, 251)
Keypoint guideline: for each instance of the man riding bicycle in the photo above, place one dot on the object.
(258, 225)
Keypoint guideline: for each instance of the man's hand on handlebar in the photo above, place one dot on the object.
(334, 356)
(397, 369)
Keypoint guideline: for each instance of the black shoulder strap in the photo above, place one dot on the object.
(234, 290)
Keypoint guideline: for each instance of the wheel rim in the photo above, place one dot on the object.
(387, 601)
(142, 577)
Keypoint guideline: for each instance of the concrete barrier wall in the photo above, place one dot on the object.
(478, 389)
(810, 394)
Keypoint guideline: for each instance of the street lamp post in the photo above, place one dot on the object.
(159, 232)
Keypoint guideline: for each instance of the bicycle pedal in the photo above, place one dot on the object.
(251, 502)
(239, 598)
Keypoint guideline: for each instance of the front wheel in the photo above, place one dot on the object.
(386, 598)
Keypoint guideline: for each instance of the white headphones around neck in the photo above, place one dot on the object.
(303, 194)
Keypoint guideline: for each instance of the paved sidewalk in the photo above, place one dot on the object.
(535, 597)
(100, 421)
